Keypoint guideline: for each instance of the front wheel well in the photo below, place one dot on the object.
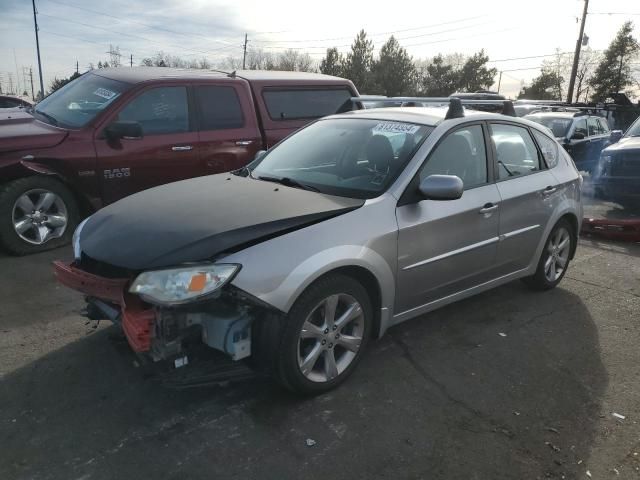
(371, 285)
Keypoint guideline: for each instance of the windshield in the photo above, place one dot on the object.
(79, 101)
(634, 129)
(348, 157)
(558, 125)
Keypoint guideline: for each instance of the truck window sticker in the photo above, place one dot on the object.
(104, 93)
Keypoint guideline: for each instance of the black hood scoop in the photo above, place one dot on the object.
(197, 219)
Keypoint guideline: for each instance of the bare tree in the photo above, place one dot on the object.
(586, 67)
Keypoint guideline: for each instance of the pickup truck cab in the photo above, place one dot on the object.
(115, 132)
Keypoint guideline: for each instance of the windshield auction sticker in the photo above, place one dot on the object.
(104, 93)
(388, 127)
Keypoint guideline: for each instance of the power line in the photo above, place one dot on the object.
(130, 34)
(139, 23)
(373, 34)
(630, 14)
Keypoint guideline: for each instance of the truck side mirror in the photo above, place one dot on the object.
(127, 130)
(615, 136)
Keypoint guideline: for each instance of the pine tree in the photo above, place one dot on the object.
(474, 74)
(394, 71)
(357, 66)
(613, 73)
(332, 63)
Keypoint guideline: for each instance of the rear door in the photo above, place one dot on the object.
(448, 246)
(228, 133)
(527, 190)
(597, 139)
(167, 151)
(579, 147)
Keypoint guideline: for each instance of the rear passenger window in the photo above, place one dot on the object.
(548, 147)
(301, 104)
(604, 125)
(461, 153)
(159, 110)
(219, 108)
(516, 152)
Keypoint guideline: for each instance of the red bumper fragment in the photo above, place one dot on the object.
(626, 230)
(137, 317)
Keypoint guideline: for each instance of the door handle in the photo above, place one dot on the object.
(244, 143)
(488, 208)
(549, 190)
(183, 148)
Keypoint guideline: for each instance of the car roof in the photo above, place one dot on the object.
(575, 114)
(430, 116)
(142, 74)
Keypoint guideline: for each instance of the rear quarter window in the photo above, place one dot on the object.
(548, 147)
(292, 104)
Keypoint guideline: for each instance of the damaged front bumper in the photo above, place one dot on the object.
(222, 323)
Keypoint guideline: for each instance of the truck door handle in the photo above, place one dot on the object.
(244, 143)
(549, 190)
(488, 208)
(182, 148)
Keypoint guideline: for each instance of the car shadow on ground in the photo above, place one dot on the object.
(504, 385)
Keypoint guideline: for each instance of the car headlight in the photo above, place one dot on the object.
(182, 285)
(75, 240)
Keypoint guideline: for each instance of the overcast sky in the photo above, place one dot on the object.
(76, 30)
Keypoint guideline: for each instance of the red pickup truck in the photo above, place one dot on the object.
(114, 132)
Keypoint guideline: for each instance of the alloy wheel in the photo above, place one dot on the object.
(330, 337)
(558, 250)
(39, 215)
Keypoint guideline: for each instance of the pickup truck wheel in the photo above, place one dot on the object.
(36, 214)
(321, 340)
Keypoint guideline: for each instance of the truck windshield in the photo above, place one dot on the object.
(558, 125)
(356, 158)
(79, 101)
(634, 129)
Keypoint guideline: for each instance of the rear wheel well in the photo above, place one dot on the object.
(573, 221)
(370, 283)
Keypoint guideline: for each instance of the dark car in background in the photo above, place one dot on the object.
(617, 175)
(114, 132)
(9, 101)
(582, 134)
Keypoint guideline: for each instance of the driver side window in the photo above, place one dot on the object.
(159, 110)
(461, 153)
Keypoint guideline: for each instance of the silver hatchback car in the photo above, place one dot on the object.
(350, 226)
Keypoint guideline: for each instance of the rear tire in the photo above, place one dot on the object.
(317, 345)
(36, 214)
(555, 257)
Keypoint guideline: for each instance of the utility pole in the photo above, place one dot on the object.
(131, 61)
(35, 26)
(77, 67)
(244, 56)
(576, 55)
(620, 74)
(499, 81)
(33, 94)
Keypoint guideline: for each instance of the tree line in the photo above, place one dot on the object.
(393, 72)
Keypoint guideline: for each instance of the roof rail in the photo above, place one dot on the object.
(455, 104)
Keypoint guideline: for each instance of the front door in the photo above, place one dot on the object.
(167, 151)
(448, 246)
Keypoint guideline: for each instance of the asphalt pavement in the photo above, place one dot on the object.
(510, 384)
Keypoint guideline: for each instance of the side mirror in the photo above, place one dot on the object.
(615, 136)
(578, 136)
(441, 187)
(127, 130)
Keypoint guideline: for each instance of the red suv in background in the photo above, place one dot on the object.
(114, 132)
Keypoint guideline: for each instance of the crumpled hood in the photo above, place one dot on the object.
(19, 130)
(624, 144)
(197, 219)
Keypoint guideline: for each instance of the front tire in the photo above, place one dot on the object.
(555, 257)
(323, 336)
(36, 214)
